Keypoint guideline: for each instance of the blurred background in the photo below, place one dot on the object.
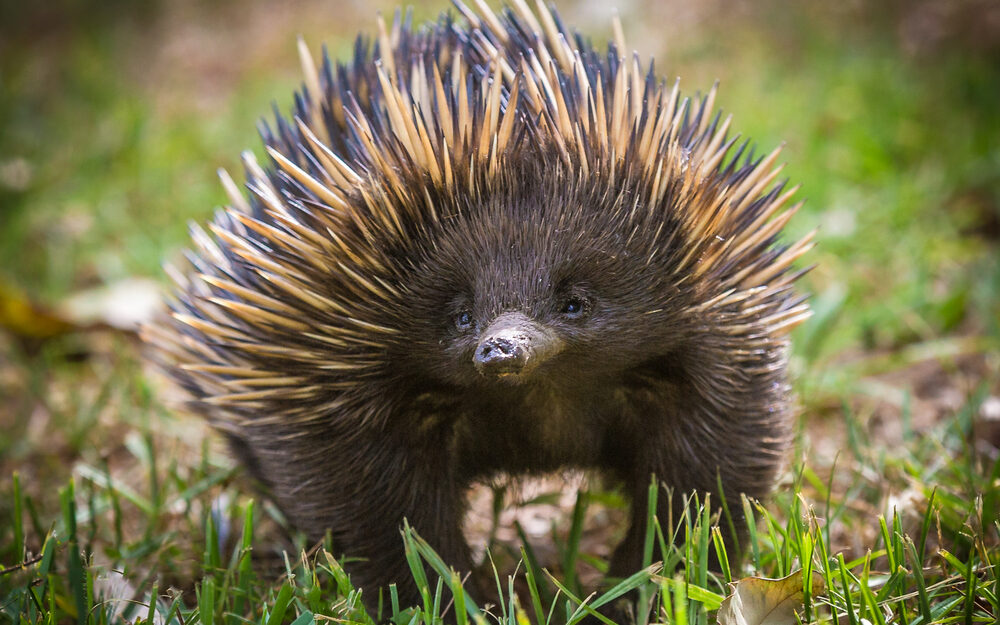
(114, 116)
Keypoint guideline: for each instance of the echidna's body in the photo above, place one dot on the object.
(489, 248)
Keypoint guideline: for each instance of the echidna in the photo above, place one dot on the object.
(484, 247)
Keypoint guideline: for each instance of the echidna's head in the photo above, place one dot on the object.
(539, 283)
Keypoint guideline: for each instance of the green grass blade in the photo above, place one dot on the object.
(730, 522)
(925, 527)
(874, 613)
(461, 610)
(918, 577)
(306, 618)
(651, 507)
(212, 557)
(703, 528)
(531, 570)
(680, 602)
(151, 611)
(970, 591)
(899, 549)
(720, 550)
(887, 540)
(75, 572)
(206, 602)
(627, 585)
(708, 599)
(277, 613)
(244, 567)
(751, 520)
(846, 585)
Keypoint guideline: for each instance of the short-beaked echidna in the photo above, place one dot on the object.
(484, 247)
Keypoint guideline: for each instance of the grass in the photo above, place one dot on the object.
(922, 567)
(109, 499)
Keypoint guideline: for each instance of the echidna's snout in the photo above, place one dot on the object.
(512, 347)
(500, 354)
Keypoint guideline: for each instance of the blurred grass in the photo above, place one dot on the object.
(114, 117)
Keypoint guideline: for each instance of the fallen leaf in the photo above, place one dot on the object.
(27, 319)
(123, 305)
(760, 601)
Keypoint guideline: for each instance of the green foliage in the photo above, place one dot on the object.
(898, 580)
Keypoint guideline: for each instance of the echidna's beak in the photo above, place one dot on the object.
(513, 346)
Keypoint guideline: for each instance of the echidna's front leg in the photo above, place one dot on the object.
(690, 474)
(360, 484)
(404, 483)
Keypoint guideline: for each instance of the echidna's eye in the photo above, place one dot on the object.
(463, 320)
(573, 307)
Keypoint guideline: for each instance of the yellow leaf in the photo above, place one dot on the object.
(26, 319)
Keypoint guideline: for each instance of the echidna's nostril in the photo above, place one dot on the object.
(504, 347)
(495, 350)
(499, 355)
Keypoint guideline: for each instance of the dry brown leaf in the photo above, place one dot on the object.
(760, 601)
